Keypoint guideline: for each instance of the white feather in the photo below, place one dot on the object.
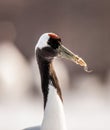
(42, 42)
(54, 118)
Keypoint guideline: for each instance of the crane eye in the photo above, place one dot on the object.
(54, 43)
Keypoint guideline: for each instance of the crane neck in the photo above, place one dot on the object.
(54, 117)
(48, 76)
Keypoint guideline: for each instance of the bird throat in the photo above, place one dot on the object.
(48, 77)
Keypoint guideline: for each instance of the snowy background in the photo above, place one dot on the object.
(84, 26)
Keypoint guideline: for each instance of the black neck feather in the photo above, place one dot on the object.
(47, 74)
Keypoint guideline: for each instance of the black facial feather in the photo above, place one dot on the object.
(54, 42)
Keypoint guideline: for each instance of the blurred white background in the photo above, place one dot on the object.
(84, 26)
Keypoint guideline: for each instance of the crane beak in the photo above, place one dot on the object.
(67, 54)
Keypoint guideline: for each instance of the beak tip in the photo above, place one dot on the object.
(86, 69)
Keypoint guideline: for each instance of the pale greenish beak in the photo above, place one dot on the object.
(67, 54)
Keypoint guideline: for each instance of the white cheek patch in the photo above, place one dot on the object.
(42, 42)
